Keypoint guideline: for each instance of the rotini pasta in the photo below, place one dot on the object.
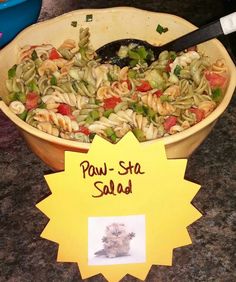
(68, 93)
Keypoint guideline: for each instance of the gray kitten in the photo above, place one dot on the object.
(116, 243)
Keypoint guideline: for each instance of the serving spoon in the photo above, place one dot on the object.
(223, 26)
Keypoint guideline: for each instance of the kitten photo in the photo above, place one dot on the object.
(116, 242)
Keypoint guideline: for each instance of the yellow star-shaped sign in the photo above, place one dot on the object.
(129, 181)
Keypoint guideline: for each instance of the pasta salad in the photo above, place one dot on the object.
(69, 93)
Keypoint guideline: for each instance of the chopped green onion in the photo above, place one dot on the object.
(12, 72)
(160, 29)
(34, 55)
(89, 18)
(74, 23)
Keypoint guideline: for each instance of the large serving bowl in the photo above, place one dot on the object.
(16, 15)
(108, 25)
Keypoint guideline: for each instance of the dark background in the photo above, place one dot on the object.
(25, 257)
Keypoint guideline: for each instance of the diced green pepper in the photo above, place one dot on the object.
(107, 113)
(177, 70)
(12, 96)
(142, 52)
(12, 72)
(33, 86)
(42, 105)
(160, 29)
(132, 73)
(21, 97)
(150, 113)
(217, 95)
(113, 138)
(53, 80)
(89, 120)
(94, 114)
(23, 115)
(109, 131)
(172, 55)
(133, 55)
(139, 134)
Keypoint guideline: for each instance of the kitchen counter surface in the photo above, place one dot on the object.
(25, 257)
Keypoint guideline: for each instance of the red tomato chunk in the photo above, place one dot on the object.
(110, 103)
(169, 122)
(32, 100)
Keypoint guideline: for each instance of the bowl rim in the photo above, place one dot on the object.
(166, 139)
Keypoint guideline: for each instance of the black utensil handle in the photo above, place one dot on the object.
(224, 25)
(195, 37)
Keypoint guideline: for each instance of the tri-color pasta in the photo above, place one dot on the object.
(68, 93)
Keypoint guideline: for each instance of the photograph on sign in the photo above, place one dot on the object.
(116, 240)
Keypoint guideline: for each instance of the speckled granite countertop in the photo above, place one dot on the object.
(25, 257)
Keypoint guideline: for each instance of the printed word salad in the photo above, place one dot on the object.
(67, 92)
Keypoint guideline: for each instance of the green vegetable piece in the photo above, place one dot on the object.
(113, 138)
(160, 29)
(133, 63)
(165, 98)
(21, 97)
(150, 55)
(217, 95)
(132, 73)
(91, 136)
(172, 55)
(12, 72)
(142, 52)
(137, 108)
(177, 70)
(109, 131)
(42, 105)
(33, 86)
(139, 134)
(133, 55)
(53, 80)
(107, 113)
(12, 96)
(150, 113)
(74, 23)
(34, 55)
(94, 114)
(89, 120)
(23, 115)
(89, 18)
